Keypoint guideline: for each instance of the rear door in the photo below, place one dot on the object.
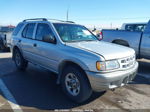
(26, 41)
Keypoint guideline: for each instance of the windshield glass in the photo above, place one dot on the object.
(74, 33)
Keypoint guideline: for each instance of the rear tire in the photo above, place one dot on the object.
(20, 62)
(77, 88)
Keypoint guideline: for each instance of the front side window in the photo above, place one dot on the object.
(28, 30)
(42, 30)
(74, 33)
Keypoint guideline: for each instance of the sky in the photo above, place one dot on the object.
(99, 13)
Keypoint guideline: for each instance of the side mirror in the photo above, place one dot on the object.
(49, 39)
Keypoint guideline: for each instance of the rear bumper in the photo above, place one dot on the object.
(104, 81)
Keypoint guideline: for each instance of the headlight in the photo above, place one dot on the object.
(110, 65)
(107, 65)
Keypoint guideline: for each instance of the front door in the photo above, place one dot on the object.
(46, 53)
(145, 46)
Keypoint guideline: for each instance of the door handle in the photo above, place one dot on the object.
(34, 45)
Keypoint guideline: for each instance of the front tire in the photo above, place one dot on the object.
(75, 84)
(20, 62)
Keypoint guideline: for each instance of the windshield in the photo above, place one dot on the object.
(74, 33)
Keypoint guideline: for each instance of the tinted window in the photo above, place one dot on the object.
(6, 29)
(28, 30)
(135, 27)
(129, 27)
(24, 31)
(139, 27)
(43, 30)
(17, 29)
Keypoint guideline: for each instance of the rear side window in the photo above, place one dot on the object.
(28, 31)
(17, 29)
(43, 30)
(140, 27)
(129, 27)
(135, 27)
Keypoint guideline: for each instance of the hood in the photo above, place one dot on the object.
(108, 50)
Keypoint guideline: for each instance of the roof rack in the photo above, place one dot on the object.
(70, 21)
(61, 20)
(34, 19)
(45, 19)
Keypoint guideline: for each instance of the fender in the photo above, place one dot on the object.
(74, 61)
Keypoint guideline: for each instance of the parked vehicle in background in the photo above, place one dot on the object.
(138, 40)
(134, 26)
(97, 33)
(83, 64)
(5, 37)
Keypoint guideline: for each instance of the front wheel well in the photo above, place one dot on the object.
(69, 63)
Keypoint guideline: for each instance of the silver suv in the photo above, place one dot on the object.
(83, 63)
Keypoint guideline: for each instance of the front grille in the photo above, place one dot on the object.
(128, 62)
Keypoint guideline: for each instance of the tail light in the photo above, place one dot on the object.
(100, 36)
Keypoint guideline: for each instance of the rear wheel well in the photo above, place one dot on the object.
(14, 48)
(121, 42)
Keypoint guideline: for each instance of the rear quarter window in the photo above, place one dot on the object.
(28, 30)
(17, 29)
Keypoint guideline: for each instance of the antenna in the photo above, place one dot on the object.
(67, 16)
(111, 25)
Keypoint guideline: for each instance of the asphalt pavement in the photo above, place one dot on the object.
(36, 90)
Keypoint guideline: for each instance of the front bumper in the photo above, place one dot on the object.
(104, 81)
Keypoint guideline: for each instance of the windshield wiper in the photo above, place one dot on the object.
(73, 41)
(88, 40)
(79, 41)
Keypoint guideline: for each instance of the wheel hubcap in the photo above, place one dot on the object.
(72, 84)
(17, 59)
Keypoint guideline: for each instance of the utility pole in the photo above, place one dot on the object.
(111, 25)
